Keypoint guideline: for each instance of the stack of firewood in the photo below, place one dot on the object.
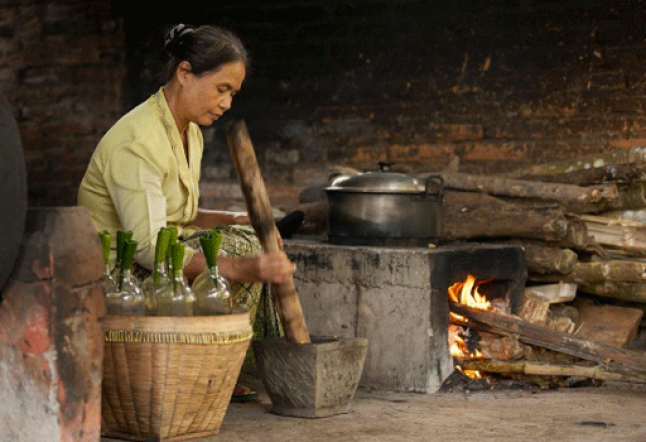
(582, 224)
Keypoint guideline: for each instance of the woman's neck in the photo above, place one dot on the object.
(171, 93)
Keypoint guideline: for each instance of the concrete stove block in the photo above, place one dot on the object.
(384, 295)
(396, 298)
(51, 343)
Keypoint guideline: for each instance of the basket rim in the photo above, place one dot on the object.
(171, 337)
(237, 322)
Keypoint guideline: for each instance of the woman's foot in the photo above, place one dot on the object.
(242, 394)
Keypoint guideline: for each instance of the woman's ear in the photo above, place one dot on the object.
(183, 70)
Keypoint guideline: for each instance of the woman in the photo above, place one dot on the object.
(144, 172)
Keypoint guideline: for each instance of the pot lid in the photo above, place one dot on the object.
(382, 181)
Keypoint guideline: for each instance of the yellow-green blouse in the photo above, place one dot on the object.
(139, 178)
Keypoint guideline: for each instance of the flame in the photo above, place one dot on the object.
(465, 292)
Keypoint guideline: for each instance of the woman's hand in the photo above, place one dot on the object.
(279, 239)
(274, 267)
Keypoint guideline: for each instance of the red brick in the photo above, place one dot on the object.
(623, 144)
(308, 175)
(418, 153)
(458, 131)
(496, 151)
(50, 330)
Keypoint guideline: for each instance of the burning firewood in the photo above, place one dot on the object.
(599, 352)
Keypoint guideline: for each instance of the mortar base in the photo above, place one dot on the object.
(317, 379)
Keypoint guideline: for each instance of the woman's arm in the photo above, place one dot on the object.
(207, 218)
(273, 267)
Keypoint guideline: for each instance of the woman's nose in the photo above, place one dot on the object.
(226, 103)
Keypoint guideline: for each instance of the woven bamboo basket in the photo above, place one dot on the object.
(170, 378)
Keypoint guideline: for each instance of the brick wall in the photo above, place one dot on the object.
(497, 84)
(62, 70)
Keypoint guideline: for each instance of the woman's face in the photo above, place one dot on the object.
(206, 97)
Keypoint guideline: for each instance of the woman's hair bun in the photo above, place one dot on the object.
(174, 38)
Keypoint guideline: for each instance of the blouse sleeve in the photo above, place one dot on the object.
(135, 181)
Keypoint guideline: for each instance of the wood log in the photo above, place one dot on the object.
(638, 215)
(623, 291)
(612, 278)
(562, 318)
(611, 324)
(542, 257)
(619, 235)
(545, 369)
(616, 173)
(495, 346)
(262, 220)
(533, 334)
(553, 293)
(473, 215)
(534, 309)
(606, 270)
(632, 196)
(636, 155)
(575, 198)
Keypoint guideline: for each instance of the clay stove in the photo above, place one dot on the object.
(396, 297)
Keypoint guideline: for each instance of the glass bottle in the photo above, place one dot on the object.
(182, 299)
(109, 283)
(213, 296)
(158, 284)
(129, 299)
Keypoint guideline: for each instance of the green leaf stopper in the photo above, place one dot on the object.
(129, 252)
(160, 251)
(217, 236)
(122, 237)
(178, 255)
(162, 244)
(172, 239)
(208, 243)
(106, 239)
(173, 233)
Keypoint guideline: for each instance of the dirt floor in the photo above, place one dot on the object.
(611, 412)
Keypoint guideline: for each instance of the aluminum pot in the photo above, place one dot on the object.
(384, 205)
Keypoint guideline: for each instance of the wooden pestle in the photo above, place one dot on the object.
(262, 220)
